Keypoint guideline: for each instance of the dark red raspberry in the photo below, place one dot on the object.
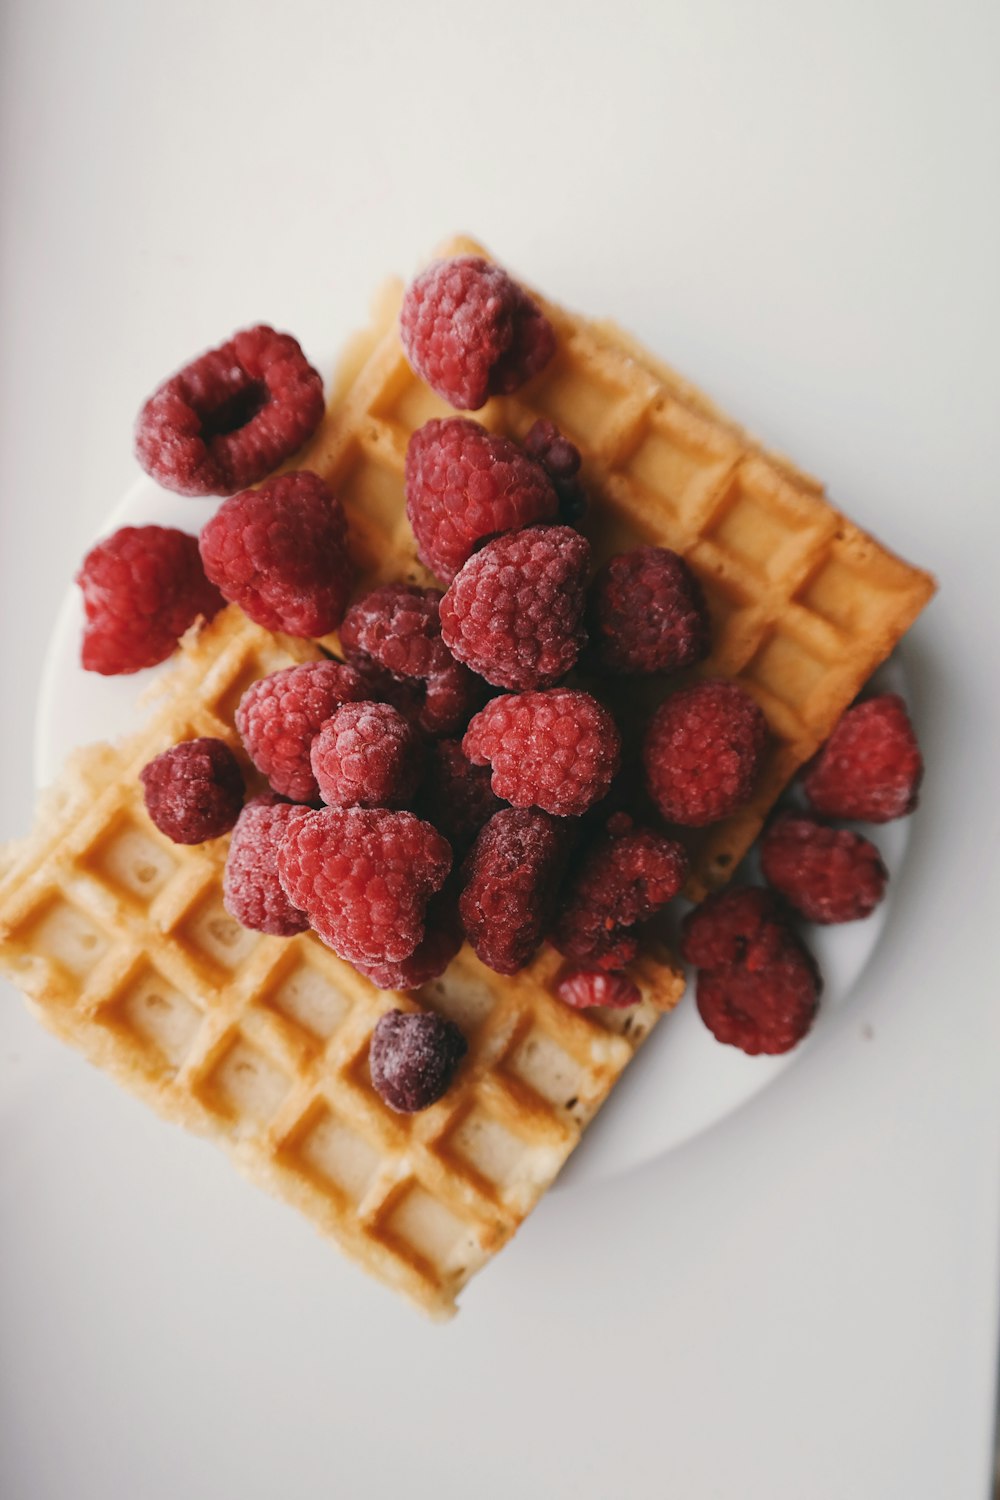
(768, 1009)
(513, 612)
(441, 941)
(463, 485)
(280, 553)
(279, 717)
(557, 750)
(456, 795)
(451, 698)
(827, 874)
(231, 415)
(702, 752)
(142, 587)
(625, 878)
(194, 790)
(561, 461)
(471, 332)
(366, 755)
(647, 613)
(251, 890)
(743, 925)
(585, 988)
(413, 1058)
(511, 878)
(870, 767)
(364, 876)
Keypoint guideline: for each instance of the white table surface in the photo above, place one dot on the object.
(797, 205)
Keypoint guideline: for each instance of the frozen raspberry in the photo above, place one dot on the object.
(557, 750)
(511, 878)
(364, 876)
(456, 795)
(624, 878)
(702, 752)
(463, 485)
(871, 767)
(827, 874)
(471, 332)
(279, 717)
(561, 461)
(194, 790)
(451, 698)
(584, 988)
(280, 553)
(142, 587)
(743, 925)
(366, 755)
(230, 416)
(251, 890)
(768, 1009)
(441, 941)
(513, 613)
(647, 613)
(413, 1058)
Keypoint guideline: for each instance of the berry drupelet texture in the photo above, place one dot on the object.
(194, 790)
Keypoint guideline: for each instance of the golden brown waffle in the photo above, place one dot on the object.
(120, 940)
(804, 604)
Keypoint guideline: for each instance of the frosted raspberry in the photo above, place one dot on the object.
(364, 876)
(366, 755)
(456, 795)
(584, 988)
(251, 890)
(194, 790)
(742, 925)
(647, 613)
(471, 332)
(561, 461)
(513, 612)
(435, 951)
(871, 767)
(280, 553)
(624, 879)
(511, 878)
(279, 717)
(463, 485)
(142, 587)
(232, 415)
(557, 750)
(827, 874)
(413, 1058)
(768, 1009)
(702, 752)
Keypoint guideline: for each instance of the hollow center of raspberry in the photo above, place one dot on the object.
(235, 411)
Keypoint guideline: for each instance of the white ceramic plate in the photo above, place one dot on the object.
(681, 1083)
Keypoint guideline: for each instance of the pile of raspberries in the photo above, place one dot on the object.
(458, 775)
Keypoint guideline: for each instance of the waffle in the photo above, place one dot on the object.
(120, 940)
(804, 605)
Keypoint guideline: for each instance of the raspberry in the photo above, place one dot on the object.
(280, 553)
(441, 941)
(451, 698)
(584, 988)
(768, 1009)
(413, 1058)
(279, 717)
(743, 925)
(463, 485)
(251, 890)
(364, 876)
(561, 461)
(142, 587)
(194, 790)
(511, 877)
(471, 332)
(702, 751)
(232, 415)
(557, 750)
(513, 613)
(870, 767)
(647, 613)
(625, 877)
(827, 874)
(366, 755)
(456, 795)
